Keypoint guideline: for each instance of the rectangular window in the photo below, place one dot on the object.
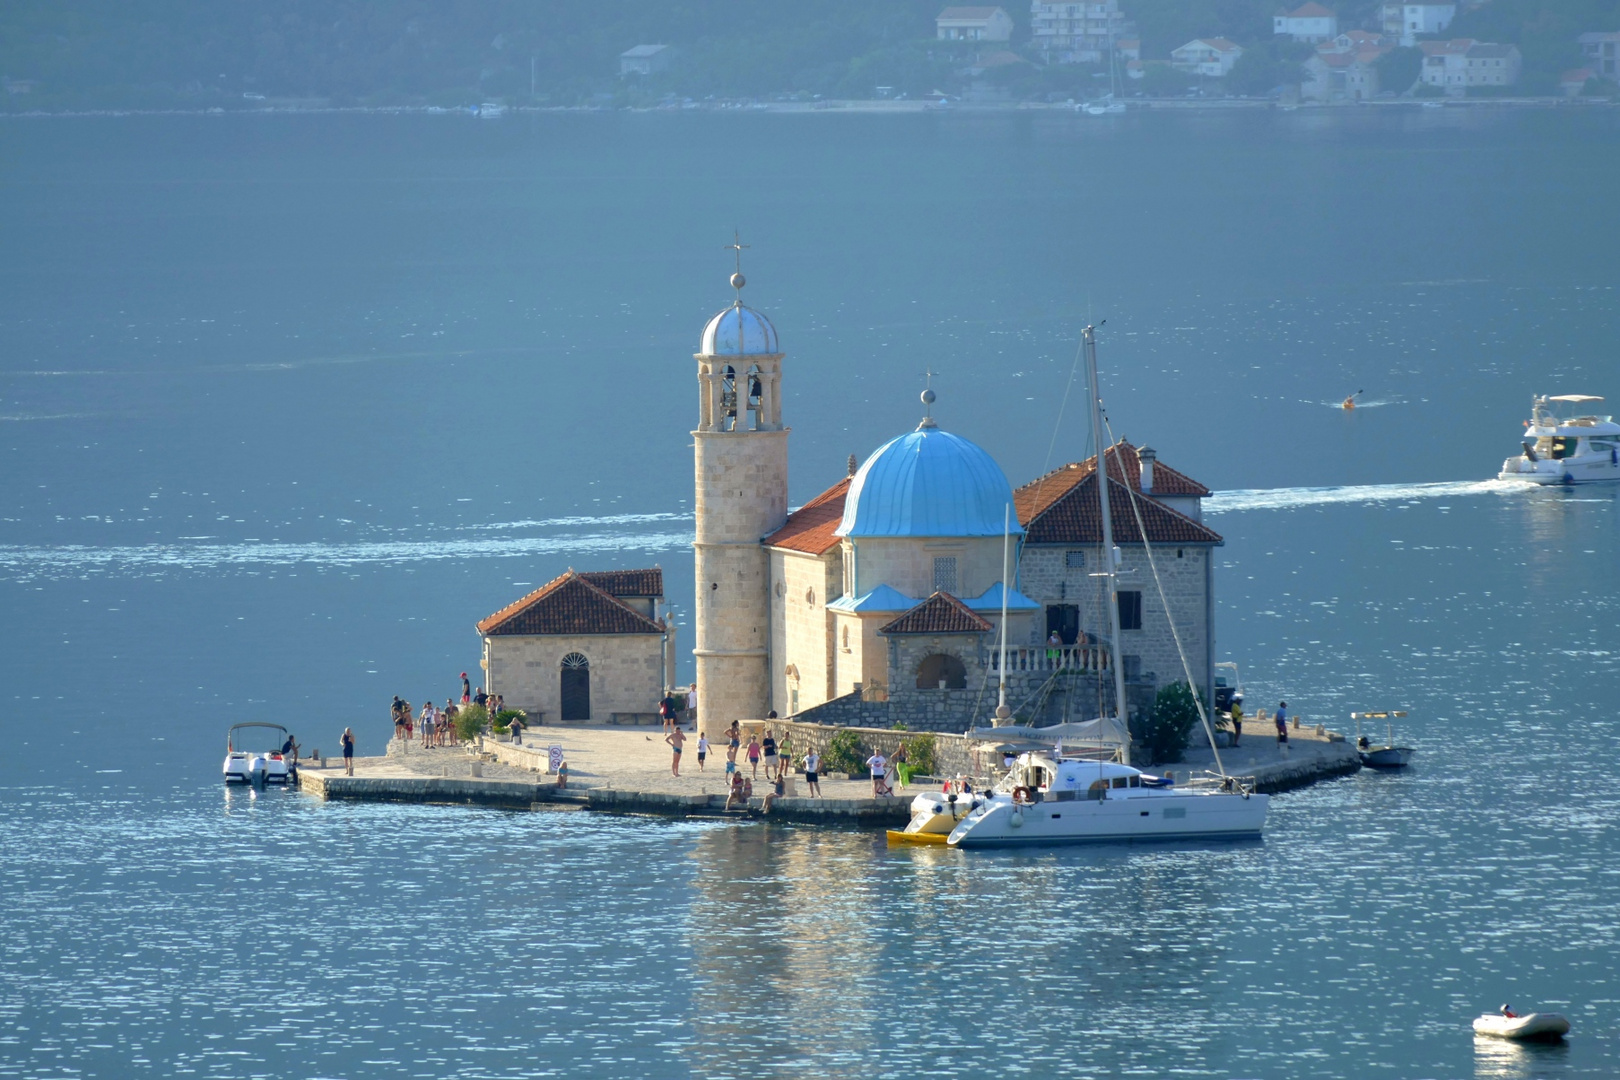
(1074, 560)
(1130, 610)
(945, 574)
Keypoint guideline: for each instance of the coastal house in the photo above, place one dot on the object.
(1210, 57)
(1574, 81)
(645, 59)
(1341, 76)
(1602, 52)
(1310, 22)
(584, 646)
(880, 600)
(1129, 48)
(1404, 21)
(1354, 41)
(973, 24)
(1462, 64)
(1077, 33)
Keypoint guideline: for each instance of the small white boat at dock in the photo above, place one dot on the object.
(1388, 756)
(1540, 1026)
(1569, 449)
(259, 767)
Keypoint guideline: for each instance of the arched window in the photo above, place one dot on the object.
(576, 687)
(941, 668)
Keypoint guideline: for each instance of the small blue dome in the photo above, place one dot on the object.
(739, 331)
(928, 483)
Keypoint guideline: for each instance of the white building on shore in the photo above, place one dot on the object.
(1210, 57)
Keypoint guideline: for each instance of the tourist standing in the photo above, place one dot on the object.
(812, 774)
(897, 761)
(515, 726)
(427, 724)
(1237, 718)
(753, 754)
(677, 742)
(769, 748)
(348, 751)
(703, 749)
(466, 689)
(691, 704)
(666, 713)
(733, 741)
(1054, 649)
(1281, 720)
(880, 767)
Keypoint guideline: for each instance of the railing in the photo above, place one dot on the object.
(1052, 658)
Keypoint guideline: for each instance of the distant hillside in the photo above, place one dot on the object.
(204, 53)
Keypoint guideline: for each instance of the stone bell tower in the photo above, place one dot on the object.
(740, 454)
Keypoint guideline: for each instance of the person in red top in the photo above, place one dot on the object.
(466, 690)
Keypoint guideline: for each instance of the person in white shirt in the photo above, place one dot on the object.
(812, 774)
(879, 766)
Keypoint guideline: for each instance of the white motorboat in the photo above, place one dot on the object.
(269, 766)
(1388, 756)
(1048, 798)
(1545, 1027)
(1569, 449)
(490, 110)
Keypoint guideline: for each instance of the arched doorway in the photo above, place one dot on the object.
(576, 687)
(941, 668)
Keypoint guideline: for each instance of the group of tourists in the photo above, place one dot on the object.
(674, 703)
(886, 774)
(435, 725)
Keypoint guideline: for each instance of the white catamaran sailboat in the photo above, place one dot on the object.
(1565, 449)
(1047, 798)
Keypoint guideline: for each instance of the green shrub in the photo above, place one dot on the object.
(470, 721)
(920, 754)
(501, 722)
(845, 753)
(1163, 733)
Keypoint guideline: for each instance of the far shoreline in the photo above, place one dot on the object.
(846, 107)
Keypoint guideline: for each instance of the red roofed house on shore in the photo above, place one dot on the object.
(1572, 82)
(1602, 52)
(1210, 57)
(973, 24)
(583, 647)
(1311, 23)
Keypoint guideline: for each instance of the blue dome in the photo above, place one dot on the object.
(739, 331)
(927, 483)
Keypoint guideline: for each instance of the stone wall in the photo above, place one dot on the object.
(907, 564)
(801, 629)
(740, 495)
(626, 672)
(1151, 651)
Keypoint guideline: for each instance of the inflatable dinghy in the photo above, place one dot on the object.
(1543, 1026)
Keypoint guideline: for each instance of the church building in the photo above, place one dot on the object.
(880, 600)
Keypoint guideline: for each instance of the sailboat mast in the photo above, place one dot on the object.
(1110, 553)
(1002, 712)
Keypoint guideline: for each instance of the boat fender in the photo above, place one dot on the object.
(1016, 819)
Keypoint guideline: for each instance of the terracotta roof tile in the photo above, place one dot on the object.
(1035, 497)
(637, 583)
(1075, 517)
(941, 613)
(570, 604)
(810, 528)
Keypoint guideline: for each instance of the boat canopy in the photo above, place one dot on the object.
(1574, 397)
(1105, 729)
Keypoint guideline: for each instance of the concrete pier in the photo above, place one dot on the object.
(627, 771)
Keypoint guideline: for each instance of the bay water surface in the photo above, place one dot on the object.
(287, 403)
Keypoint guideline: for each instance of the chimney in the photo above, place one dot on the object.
(1147, 457)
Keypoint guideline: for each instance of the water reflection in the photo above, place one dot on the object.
(1503, 1059)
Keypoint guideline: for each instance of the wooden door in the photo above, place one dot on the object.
(576, 688)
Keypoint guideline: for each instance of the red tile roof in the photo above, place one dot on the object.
(941, 613)
(638, 583)
(1033, 498)
(810, 528)
(571, 604)
(1062, 508)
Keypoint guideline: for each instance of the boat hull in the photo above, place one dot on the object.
(1387, 757)
(1543, 1027)
(1587, 469)
(1089, 821)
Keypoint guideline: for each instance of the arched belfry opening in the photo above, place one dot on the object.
(728, 398)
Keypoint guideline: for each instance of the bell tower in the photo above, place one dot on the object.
(740, 458)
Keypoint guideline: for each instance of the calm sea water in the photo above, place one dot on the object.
(286, 404)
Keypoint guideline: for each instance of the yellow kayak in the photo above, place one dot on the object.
(896, 836)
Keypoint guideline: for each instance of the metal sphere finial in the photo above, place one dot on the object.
(738, 281)
(928, 397)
